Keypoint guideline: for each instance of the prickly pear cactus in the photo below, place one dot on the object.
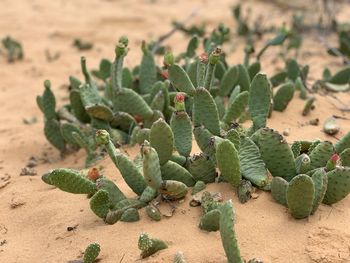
(338, 185)
(259, 101)
(275, 152)
(151, 167)
(300, 196)
(130, 215)
(279, 189)
(252, 166)
(149, 246)
(174, 171)
(153, 212)
(283, 96)
(210, 221)
(100, 203)
(320, 179)
(71, 181)
(91, 253)
(321, 154)
(228, 235)
(228, 162)
(162, 140)
(205, 111)
(173, 189)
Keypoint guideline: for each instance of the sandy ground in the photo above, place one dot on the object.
(34, 217)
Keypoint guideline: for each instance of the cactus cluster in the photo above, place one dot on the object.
(307, 173)
(162, 107)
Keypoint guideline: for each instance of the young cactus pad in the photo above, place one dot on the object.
(149, 246)
(91, 253)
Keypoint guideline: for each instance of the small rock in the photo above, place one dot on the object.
(286, 132)
(28, 171)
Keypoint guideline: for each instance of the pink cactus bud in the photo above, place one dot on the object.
(180, 97)
(335, 158)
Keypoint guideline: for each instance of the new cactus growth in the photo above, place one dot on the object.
(91, 253)
(149, 246)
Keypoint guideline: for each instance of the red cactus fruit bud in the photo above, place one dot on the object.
(180, 97)
(164, 74)
(335, 158)
(93, 174)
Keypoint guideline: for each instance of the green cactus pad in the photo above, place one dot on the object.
(236, 107)
(181, 126)
(228, 162)
(198, 187)
(48, 102)
(130, 215)
(53, 134)
(279, 189)
(296, 148)
(202, 168)
(283, 96)
(341, 77)
(254, 69)
(150, 246)
(205, 111)
(66, 131)
(127, 168)
(202, 137)
(321, 154)
(252, 166)
(162, 140)
(148, 72)
(275, 152)
(71, 181)
(313, 145)
(114, 193)
(300, 196)
(259, 101)
(99, 203)
(151, 167)
(148, 194)
(143, 135)
(228, 235)
(320, 179)
(229, 81)
(131, 102)
(308, 105)
(173, 189)
(174, 171)
(338, 185)
(243, 78)
(233, 135)
(343, 143)
(345, 157)
(302, 164)
(293, 70)
(278, 78)
(179, 159)
(77, 106)
(91, 253)
(99, 111)
(153, 212)
(180, 79)
(158, 102)
(115, 215)
(210, 221)
(89, 95)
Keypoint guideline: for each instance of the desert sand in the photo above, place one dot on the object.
(34, 216)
